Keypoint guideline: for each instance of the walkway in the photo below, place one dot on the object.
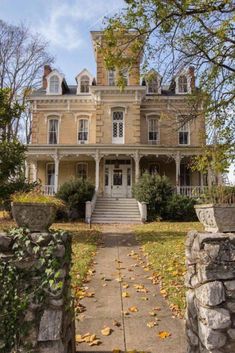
(126, 301)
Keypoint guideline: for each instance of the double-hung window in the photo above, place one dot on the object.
(184, 133)
(118, 127)
(153, 130)
(84, 84)
(111, 78)
(54, 84)
(182, 84)
(53, 131)
(83, 131)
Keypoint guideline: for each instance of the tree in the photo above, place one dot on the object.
(173, 34)
(22, 57)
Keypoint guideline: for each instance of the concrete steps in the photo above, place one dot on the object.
(116, 210)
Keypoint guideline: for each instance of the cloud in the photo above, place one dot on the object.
(64, 25)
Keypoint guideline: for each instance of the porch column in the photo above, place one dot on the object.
(137, 166)
(26, 170)
(57, 164)
(177, 171)
(35, 170)
(209, 177)
(97, 171)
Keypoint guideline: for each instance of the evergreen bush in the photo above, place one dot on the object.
(181, 208)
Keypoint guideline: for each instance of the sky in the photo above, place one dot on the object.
(66, 25)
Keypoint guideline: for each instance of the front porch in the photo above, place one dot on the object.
(113, 169)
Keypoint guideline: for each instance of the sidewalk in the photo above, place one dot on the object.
(125, 300)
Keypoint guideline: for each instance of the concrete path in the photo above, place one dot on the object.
(117, 266)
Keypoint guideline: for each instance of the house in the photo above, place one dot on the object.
(94, 130)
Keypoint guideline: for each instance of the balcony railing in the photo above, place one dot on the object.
(49, 190)
(191, 191)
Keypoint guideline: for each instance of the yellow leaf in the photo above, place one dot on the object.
(106, 331)
(152, 313)
(116, 350)
(144, 298)
(151, 324)
(133, 309)
(164, 334)
(125, 286)
(125, 295)
(79, 339)
(95, 343)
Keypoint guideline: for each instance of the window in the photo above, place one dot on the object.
(53, 131)
(51, 174)
(83, 130)
(154, 169)
(182, 84)
(152, 86)
(82, 170)
(118, 127)
(54, 84)
(153, 133)
(184, 134)
(125, 76)
(84, 84)
(184, 174)
(111, 78)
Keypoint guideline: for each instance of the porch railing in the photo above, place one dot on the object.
(48, 189)
(191, 191)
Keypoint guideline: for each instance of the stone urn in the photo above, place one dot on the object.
(37, 217)
(217, 218)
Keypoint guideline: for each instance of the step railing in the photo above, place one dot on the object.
(143, 211)
(90, 206)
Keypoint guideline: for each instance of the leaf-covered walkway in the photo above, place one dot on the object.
(122, 310)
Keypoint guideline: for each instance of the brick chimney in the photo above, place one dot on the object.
(47, 71)
(191, 72)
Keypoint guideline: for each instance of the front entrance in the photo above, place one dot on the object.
(118, 178)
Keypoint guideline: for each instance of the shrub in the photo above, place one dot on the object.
(75, 193)
(219, 194)
(155, 191)
(36, 197)
(181, 208)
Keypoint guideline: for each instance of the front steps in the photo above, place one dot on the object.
(116, 210)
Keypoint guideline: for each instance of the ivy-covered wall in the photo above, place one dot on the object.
(36, 313)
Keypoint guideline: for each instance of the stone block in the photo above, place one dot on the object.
(216, 318)
(231, 333)
(211, 339)
(59, 251)
(50, 325)
(192, 337)
(211, 293)
(230, 285)
(5, 242)
(52, 347)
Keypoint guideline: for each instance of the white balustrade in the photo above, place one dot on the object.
(49, 190)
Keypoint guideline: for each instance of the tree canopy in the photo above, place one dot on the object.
(172, 34)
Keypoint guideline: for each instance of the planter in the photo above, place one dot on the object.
(217, 217)
(37, 217)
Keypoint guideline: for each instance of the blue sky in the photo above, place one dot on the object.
(66, 25)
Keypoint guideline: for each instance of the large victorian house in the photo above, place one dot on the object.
(96, 131)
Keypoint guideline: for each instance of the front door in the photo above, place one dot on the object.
(118, 181)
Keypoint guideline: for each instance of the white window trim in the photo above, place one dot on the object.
(84, 72)
(189, 137)
(188, 83)
(123, 110)
(61, 77)
(81, 162)
(159, 91)
(46, 179)
(83, 117)
(151, 116)
(108, 71)
(58, 118)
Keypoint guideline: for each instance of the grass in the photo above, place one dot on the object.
(164, 245)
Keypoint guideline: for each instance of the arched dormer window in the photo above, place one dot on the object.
(84, 81)
(182, 84)
(54, 83)
(153, 82)
(84, 84)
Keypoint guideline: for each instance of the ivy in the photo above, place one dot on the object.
(27, 274)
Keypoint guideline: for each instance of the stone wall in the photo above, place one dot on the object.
(50, 321)
(210, 279)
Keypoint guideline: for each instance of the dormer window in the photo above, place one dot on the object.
(84, 84)
(182, 84)
(153, 86)
(54, 84)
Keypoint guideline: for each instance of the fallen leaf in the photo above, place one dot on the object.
(106, 331)
(116, 323)
(125, 286)
(152, 313)
(79, 339)
(151, 324)
(116, 350)
(164, 334)
(144, 298)
(125, 295)
(95, 342)
(133, 309)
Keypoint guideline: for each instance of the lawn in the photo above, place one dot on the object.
(164, 245)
